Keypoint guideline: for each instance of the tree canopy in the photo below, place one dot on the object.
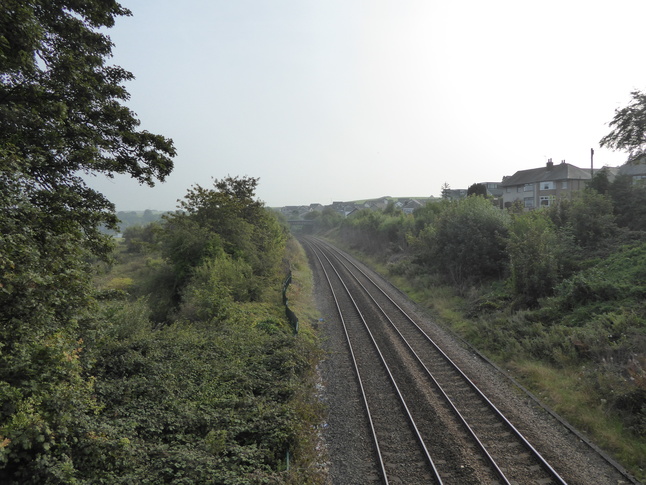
(221, 236)
(62, 113)
(477, 189)
(629, 128)
(62, 116)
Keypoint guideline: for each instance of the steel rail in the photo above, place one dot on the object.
(437, 385)
(411, 420)
(511, 427)
(380, 459)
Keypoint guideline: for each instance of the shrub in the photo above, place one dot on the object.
(536, 256)
(466, 243)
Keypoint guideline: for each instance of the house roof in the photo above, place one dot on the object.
(634, 168)
(412, 204)
(560, 171)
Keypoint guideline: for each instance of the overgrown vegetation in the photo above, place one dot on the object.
(182, 368)
(187, 371)
(555, 294)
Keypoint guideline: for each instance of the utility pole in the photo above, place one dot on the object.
(591, 163)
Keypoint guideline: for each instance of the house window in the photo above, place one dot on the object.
(508, 189)
(529, 202)
(519, 188)
(546, 200)
(547, 185)
(564, 184)
(528, 188)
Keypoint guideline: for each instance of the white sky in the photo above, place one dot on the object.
(328, 100)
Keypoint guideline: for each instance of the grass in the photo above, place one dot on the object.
(565, 391)
(302, 302)
(126, 269)
(301, 291)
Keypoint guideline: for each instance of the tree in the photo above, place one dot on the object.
(592, 219)
(466, 241)
(629, 202)
(601, 181)
(61, 116)
(61, 113)
(245, 226)
(537, 252)
(445, 190)
(477, 189)
(629, 128)
(223, 223)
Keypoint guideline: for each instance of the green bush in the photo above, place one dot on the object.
(466, 242)
(536, 256)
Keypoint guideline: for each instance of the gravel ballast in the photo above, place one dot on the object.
(346, 436)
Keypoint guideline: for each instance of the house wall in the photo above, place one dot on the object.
(533, 193)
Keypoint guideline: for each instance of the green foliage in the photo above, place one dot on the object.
(228, 216)
(601, 181)
(537, 255)
(595, 320)
(220, 399)
(588, 216)
(140, 239)
(629, 201)
(213, 288)
(592, 219)
(222, 241)
(61, 116)
(466, 241)
(619, 277)
(477, 189)
(185, 244)
(427, 215)
(46, 401)
(377, 232)
(629, 128)
(214, 400)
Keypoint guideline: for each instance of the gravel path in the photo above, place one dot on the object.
(349, 451)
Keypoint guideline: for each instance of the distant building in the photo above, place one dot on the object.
(409, 206)
(540, 187)
(635, 170)
(454, 194)
(493, 189)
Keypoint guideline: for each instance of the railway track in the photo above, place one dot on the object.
(428, 422)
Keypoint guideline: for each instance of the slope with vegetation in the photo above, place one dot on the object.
(197, 370)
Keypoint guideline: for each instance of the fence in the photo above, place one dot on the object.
(291, 316)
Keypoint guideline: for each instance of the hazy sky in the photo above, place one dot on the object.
(327, 100)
